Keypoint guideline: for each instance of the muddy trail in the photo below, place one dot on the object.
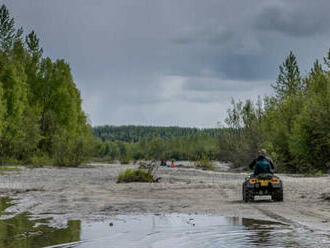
(91, 194)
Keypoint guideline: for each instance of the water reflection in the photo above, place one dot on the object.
(21, 232)
(168, 230)
(179, 230)
(261, 231)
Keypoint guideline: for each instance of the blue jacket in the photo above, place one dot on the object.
(262, 166)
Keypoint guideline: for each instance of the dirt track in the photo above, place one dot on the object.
(92, 193)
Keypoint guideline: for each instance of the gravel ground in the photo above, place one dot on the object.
(91, 193)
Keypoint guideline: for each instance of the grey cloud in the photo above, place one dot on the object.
(118, 50)
(298, 20)
(246, 67)
(214, 34)
(216, 84)
(205, 99)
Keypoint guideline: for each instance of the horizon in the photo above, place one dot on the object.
(191, 127)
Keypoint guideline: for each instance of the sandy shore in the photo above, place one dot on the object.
(92, 193)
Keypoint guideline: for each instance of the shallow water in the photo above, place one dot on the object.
(21, 231)
(169, 230)
(178, 230)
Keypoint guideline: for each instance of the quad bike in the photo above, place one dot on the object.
(262, 184)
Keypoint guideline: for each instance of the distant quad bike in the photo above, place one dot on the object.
(262, 184)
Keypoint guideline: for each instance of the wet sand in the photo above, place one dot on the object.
(91, 193)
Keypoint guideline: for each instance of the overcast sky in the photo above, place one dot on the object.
(174, 62)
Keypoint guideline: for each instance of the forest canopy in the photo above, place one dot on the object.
(133, 133)
(127, 143)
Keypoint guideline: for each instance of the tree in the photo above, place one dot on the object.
(40, 106)
(310, 140)
(327, 60)
(243, 137)
(289, 80)
(7, 29)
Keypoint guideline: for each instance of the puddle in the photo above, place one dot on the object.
(168, 230)
(179, 230)
(21, 231)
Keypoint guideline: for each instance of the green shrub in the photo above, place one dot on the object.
(135, 175)
(204, 163)
(39, 159)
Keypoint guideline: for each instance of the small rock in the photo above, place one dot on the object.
(111, 224)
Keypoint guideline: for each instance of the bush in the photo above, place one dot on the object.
(135, 175)
(204, 163)
(39, 160)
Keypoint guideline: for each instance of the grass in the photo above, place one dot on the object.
(3, 168)
(135, 175)
(102, 160)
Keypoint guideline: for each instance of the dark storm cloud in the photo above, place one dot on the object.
(297, 20)
(172, 62)
(246, 67)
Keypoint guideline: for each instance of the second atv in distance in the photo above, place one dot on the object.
(262, 184)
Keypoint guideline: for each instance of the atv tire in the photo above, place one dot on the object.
(277, 195)
(248, 195)
(243, 192)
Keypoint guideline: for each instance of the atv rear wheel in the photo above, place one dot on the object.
(277, 195)
(248, 195)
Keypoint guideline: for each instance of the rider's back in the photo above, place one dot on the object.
(262, 166)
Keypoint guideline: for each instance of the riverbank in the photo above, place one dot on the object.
(91, 193)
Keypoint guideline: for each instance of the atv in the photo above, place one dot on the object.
(262, 184)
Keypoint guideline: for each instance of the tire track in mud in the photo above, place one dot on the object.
(312, 234)
(285, 220)
(280, 218)
(316, 215)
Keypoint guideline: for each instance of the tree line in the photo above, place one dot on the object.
(157, 143)
(41, 119)
(293, 124)
(133, 133)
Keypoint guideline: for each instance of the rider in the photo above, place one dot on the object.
(262, 164)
